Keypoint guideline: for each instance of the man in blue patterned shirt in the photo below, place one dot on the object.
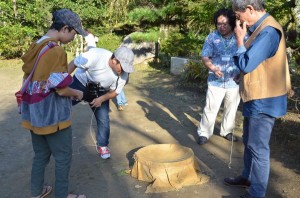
(217, 53)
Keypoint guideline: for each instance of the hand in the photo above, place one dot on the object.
(96, 102)
(240, 31)
(218, 73)
(79, 95)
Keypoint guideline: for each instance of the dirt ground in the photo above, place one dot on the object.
(159, 111)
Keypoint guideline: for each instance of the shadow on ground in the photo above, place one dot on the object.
(159, 111)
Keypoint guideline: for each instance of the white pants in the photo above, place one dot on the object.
(214, 98)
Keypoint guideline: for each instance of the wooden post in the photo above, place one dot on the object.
(156, 49)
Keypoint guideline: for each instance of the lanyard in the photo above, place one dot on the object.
(224, 42)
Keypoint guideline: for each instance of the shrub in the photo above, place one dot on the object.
(195, 74)
(109, 41)
(178, 44)
(15, 40)
(164, 60)
(139, 37)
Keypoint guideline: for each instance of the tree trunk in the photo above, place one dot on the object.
(15, 8)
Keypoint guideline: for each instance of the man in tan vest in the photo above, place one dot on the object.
(264, 84)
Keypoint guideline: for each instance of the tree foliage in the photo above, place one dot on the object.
(184, 22)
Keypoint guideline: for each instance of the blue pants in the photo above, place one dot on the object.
(101, 114)
(121, 99)
(256, 136)
(59, 144)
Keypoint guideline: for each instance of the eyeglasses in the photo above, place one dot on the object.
(222, 25)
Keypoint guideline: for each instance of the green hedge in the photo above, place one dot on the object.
(109, 41)
(15, 40)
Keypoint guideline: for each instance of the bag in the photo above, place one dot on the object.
(19, 94)
(19, 97)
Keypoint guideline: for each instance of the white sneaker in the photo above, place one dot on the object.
(104, 152)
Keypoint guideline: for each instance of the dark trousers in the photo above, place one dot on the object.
(101, 114)
(59, 144)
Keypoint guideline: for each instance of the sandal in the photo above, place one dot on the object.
(76, 196)
(46, 191)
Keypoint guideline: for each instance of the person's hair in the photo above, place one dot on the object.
(113, 57)
(58, 26)
(227, 13)
(241, 5)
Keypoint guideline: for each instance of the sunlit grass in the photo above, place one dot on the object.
(10, 63)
